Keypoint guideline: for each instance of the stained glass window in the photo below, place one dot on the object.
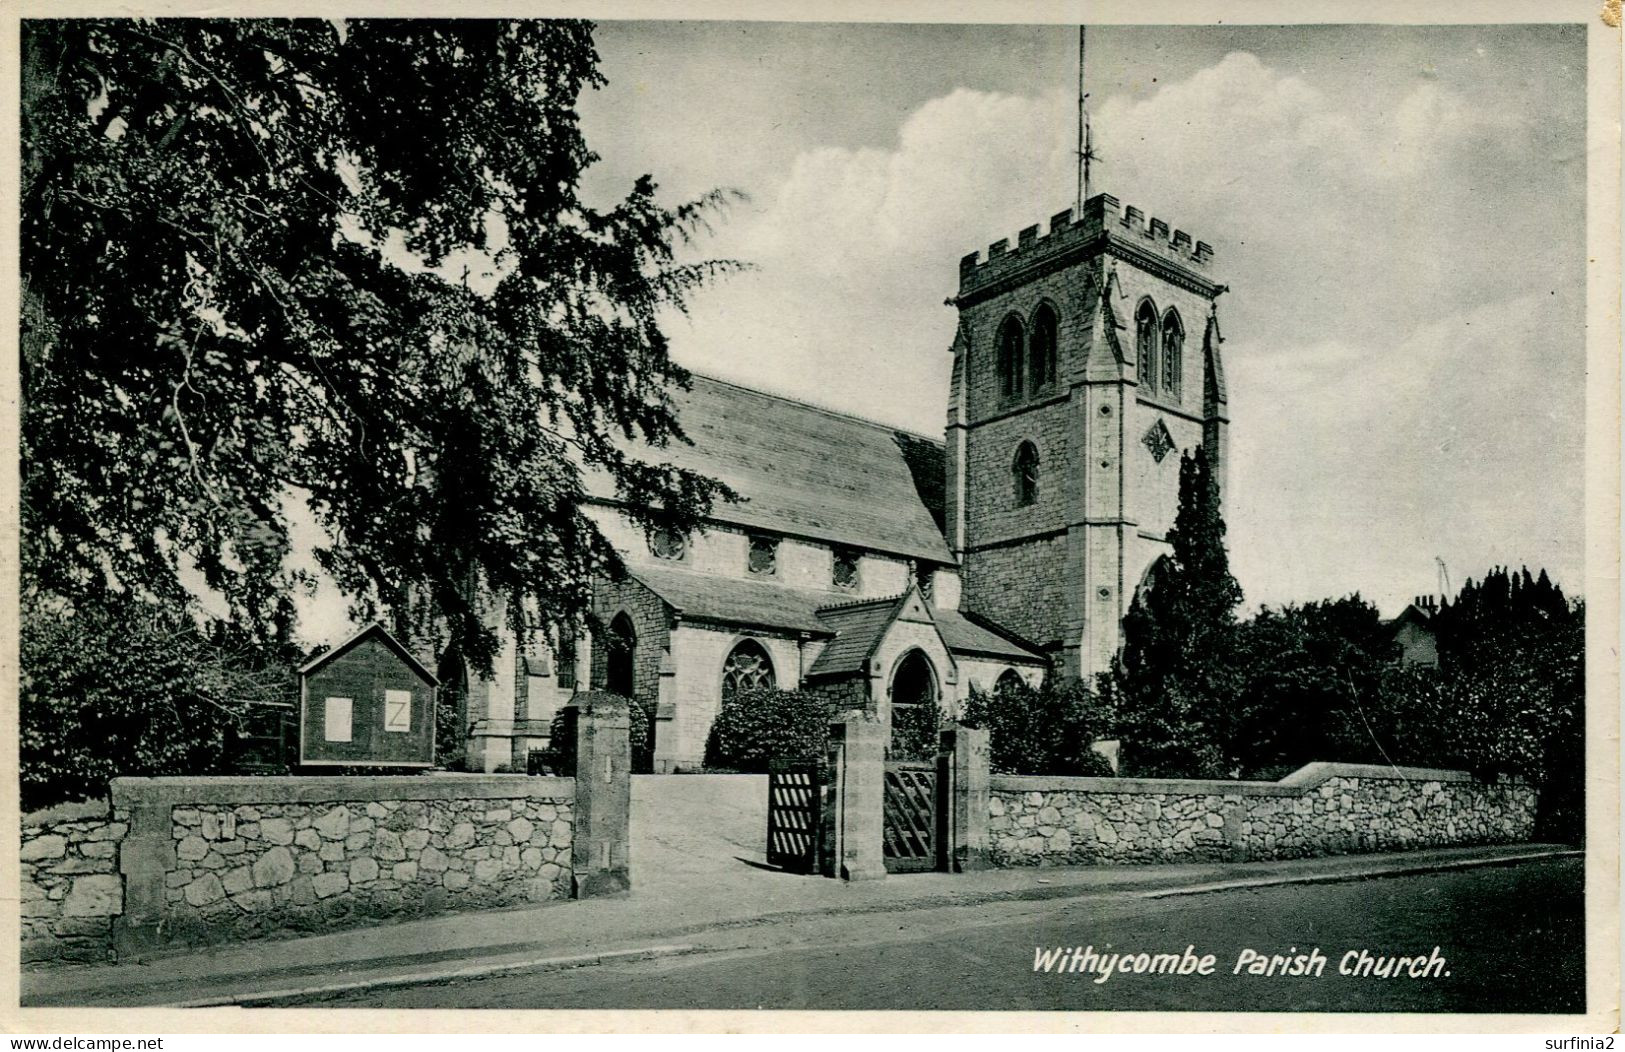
(764, 555)
(747, 668)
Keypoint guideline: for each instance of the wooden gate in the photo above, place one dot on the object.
(794, 806)
(911, 834)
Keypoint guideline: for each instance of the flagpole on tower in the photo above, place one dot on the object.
(1085, 143)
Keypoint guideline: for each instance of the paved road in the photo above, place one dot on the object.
(1512, 937)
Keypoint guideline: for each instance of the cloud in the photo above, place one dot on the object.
(1397, 378)
(1355, 465)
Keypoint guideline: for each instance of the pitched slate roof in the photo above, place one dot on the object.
(810, 472)
(736, 600)
(966, 634)
(857, 627)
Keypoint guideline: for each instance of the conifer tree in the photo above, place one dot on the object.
(238, 297)
(1174, 684)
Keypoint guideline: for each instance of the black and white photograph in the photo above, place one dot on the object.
(1049, 510)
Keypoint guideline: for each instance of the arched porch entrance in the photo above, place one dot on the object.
(915, 709)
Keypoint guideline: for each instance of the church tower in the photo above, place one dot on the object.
(1086, 360)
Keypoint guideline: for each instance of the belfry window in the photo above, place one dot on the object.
(1025, 471)
(1012, 358)
(1041, 349)
(748, 668)
(1145, 343)
(1173, 344)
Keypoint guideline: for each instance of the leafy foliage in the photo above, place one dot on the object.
(130, 690)
(1172, 682)
(755, 727)
(1318, 683)
(560, 754)
(915, 730)
(1047, 730)
(1308, 678)
(234, 245)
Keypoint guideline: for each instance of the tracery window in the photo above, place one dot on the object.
(1173, 343)
(1041, 349)
(748, 668)
(764, 556)
(1008, 680)
(1025, 470)
(844, 573)
(1012, 358)
(668, 544)
(1145, 343)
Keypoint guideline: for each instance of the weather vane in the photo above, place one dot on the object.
(1086, 148)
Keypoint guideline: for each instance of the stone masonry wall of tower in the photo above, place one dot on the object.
(1062, 569)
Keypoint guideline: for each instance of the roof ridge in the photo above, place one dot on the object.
(853, 604)
(818, 408)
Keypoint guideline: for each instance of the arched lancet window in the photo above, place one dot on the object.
(1041, 349)
(1008, 680)
(1173, 345)
(1025, 471)
(1145, 343)
(620, 656)
(748, 668)
(1012, 354)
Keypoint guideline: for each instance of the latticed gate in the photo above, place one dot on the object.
(911, 833)
(793, 814)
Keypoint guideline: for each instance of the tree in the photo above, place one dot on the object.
(1512, 656)
(131, 689)
(1173, 682)
(1308, 679)
(1042, 730)
(235, 236)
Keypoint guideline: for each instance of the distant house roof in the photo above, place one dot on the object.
(376, 629)
(1413, 615)
(810, 472)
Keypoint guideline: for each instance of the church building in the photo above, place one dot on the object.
(890, 569)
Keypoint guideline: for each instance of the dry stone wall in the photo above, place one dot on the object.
(250, 870)
(69, 884)
(1323, 809)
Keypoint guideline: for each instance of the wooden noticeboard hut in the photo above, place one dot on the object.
(366, 703)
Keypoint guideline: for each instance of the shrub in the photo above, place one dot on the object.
(129, 689)
(1044, 731)
(560, 754)
(756, 727)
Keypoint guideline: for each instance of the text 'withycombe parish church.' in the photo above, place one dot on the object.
(892, 569)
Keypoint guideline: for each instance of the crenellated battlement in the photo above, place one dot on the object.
(1102, 218)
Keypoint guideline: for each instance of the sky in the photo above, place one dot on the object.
(1399, 213)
